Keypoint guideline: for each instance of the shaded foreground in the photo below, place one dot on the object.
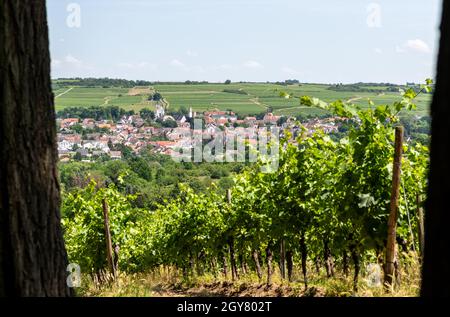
(167, 284)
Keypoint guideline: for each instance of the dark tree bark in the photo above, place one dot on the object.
(33, 258)
(436, 262)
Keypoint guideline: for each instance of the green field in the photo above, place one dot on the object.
(258, 97)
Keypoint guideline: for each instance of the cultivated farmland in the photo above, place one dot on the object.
(242, 98)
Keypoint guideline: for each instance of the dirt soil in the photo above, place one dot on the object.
(228, 289)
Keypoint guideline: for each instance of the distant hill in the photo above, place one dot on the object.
(242, 98)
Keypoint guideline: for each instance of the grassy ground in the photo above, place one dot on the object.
(254, 98)
(163, 283)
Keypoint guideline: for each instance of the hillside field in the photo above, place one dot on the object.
(245, 98)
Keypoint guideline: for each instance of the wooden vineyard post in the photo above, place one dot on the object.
(421, 225)
(109, 249)
(283, 259)
(234, 273)
(392, 222)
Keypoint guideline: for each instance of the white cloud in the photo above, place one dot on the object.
(177, 63)
(71, 66)
(290, 71)
(418, 45)
(253, 64)
(378, 50)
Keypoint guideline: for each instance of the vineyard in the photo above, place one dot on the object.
(242, 98)
(325, 207)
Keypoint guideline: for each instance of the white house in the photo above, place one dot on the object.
(160, 112)
(65, 145)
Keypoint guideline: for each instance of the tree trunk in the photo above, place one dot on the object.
(304, 254)
(33, 258)
(269, 265)
(257, 264)
(436, 268)
(290, 264)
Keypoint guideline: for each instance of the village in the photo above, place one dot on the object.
(105, 138)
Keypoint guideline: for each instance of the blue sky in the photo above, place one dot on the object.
(326, 41)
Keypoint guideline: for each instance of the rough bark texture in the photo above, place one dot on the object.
(33, 258)
(436, 268)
